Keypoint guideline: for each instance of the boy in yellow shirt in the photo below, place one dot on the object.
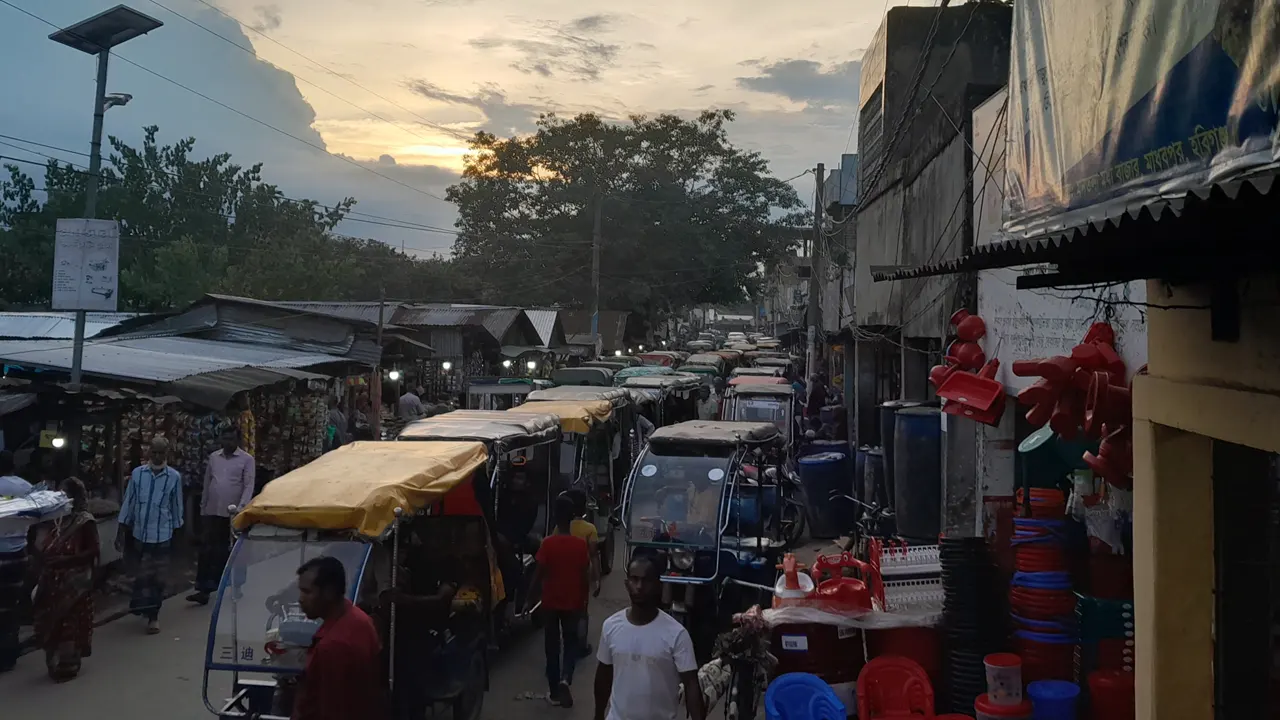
(581, 528)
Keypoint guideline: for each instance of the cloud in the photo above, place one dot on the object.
(592, 23)
(806, 81)
(501, 116)
(562, 50)
(268, 18)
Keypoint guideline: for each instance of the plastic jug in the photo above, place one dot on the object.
(839, 593)
(793, 586)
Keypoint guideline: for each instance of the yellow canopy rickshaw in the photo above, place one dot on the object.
(576, 416)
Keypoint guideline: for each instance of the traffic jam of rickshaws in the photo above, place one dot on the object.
(687, 459)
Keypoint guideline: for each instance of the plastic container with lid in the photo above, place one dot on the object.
(1054, 699)
(1004, 678)
(984, 709)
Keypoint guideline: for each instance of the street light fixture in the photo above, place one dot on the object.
(96, 36)
(506, 364)
(394, 375)
(446, 366)
(532, 365)
(617, 353)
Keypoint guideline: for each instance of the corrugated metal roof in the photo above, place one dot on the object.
(155, 359)
(545, 322)
(440, 316)
(613, 326)
(363, 311)
(56, 325)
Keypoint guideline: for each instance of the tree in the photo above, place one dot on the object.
(686, 217)
(189, 227)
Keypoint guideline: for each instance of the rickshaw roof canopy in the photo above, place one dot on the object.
(772, 362)
(699, 369)
(608, 364)
(617, 398)
(643, 371)
(576, 416)
(706, 359)
(675, 381)
(513, 431)
(707, 432)
(568, 376)
(764, 371)
(766, 390)
(358, 487)
(743, 347)
(728, 354)
(741, 380)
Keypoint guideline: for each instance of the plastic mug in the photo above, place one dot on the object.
(1004, 678)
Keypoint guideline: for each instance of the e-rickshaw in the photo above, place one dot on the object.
(376, 507)
(690, 505)
(501, 393)
(676, 395)
(757, 372)
(590, 376)
(742, 347)
(518, 513)
(706, 374)
(732, 358)
(699, 346)
(709, 359)
(592, 455)
(774, 362)
(662, 358)
(612, 364)
(644, 371)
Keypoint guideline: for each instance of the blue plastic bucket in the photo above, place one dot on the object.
(802, 696)
(1053, 699)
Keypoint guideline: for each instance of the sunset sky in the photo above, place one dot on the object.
(398, 85)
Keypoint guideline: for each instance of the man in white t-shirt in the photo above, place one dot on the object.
(645, 654)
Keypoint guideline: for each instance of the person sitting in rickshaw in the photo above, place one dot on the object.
(704, 505)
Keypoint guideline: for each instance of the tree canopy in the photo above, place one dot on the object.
(685, 216)
(189, 227)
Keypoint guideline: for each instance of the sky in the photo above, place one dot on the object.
(374, 99)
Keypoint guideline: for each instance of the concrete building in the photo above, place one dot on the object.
(925, 72)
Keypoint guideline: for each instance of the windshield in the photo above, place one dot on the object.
(770, 410)
(258, 624)
(677, 496)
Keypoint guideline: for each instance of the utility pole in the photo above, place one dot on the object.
(375, 387)
(815, 285)
(595, 276)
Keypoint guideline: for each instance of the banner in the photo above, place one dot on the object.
(86, 271)
(1118, 103)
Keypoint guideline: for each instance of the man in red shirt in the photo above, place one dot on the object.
(564, 567)
(342, 678)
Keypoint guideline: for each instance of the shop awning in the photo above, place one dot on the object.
(358, 487)
(215, 390)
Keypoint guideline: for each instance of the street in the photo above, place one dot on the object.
(133, 675)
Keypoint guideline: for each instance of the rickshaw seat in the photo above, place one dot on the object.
(750, 472)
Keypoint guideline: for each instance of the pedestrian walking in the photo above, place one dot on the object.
(13, 567)
(645, 654)
(150, 513)
(68, 559)
(336, 421)
(228, 483)
(583, 528)
(564, 569)
(341, 680)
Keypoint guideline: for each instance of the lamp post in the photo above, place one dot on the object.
(96, 36)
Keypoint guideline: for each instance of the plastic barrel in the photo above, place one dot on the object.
(917, 473)
(888, 428)
(821, 475)
(1053, 699)
(874, 479)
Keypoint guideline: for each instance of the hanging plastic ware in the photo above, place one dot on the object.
(969, 327)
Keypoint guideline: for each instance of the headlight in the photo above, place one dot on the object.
(681, 559)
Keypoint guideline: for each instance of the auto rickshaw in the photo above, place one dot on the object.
(644, 371)
(593, 457)
(374, 506)
(676, 395)
(592, 376)
(501, 393)
(758, 372)
(691, 506)
(516, 443)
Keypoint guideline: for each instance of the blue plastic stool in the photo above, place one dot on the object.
(1053, 699)
(802, 696)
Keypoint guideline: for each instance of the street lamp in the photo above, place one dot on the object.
(446, 366)
(641, 348)
(394, 375)
(506, 364)
(617, 353)
(96, 36)
(532, 365)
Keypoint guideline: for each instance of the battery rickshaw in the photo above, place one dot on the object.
(522, 478)
(501, 393)
(676, 395)
(380, 508)
(690, 506)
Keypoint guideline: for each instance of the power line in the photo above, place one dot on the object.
(390, 222)
(243, 114)
(443, 128)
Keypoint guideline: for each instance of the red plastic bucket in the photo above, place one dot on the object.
(921, 644)
(1111, 695)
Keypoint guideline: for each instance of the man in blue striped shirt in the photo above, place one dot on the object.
(150, 513)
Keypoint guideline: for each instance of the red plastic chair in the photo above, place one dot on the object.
(892, 687)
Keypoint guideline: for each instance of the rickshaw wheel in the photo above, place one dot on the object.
(467, 706)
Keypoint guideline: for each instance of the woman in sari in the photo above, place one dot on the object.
(68, 557)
